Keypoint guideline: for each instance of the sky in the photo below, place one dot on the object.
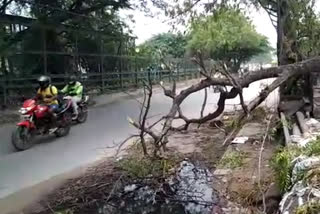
(145, 27)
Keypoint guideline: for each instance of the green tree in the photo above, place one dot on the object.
(226, 36)
(166, 44)
(63, 27)
(264, 58)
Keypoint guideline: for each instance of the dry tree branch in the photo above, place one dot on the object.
(144, 113)
(235, 84)
(143, 117)
(282, 73)
(121, 144)
(143, 104)
(259, 165)
(199, 61)
(224, 95)
(169, 92)
(205, 99)
(50, 208)
(286, 74)
(114, 187)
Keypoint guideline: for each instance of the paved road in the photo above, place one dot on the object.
(85, 143)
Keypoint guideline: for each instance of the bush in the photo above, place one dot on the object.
(136, 165)
(145, 167)
(282, 162)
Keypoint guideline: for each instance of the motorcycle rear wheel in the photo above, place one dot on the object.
(21, 138)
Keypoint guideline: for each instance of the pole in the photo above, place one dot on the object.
(5, 93)
(45, 62)
(136, 71)
(101, 65)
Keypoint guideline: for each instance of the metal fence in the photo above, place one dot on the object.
(13, 89)
(103, 63)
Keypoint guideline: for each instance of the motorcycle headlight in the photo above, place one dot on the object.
(25, 110)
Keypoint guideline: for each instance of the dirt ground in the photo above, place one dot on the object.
(202, 145)
(239, 184)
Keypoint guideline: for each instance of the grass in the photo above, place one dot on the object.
(143, 167)
(232, 160)
(309, 208)
(136, 165)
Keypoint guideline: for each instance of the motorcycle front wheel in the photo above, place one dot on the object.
(83, 114)
(21, 138)
(65, 126)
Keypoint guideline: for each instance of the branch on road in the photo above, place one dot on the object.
(281, 73)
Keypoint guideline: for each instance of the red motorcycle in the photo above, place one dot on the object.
(36, 120)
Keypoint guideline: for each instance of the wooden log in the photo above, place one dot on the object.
(285, 129)
(296, 130)
(302, 123)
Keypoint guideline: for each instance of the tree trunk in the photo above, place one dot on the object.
(287, 52)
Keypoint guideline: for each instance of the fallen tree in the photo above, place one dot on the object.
(281, 73)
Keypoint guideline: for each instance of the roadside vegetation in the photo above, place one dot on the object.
(218, 42)
(232, 160)
(283, 162)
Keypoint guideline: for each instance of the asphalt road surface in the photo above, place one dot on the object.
(87, 142)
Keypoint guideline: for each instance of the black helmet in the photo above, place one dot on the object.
(44, 81)
(72, 80)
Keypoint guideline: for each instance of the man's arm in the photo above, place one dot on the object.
(65, 89)
(79, 90)
(38, 95)
(54, 93)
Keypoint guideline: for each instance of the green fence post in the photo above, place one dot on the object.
(120, 72)
(136, 72)
(4, 93)
(45, 60)
(121, 79)
(101, 66)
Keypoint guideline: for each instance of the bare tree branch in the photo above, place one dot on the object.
(204, 102)
(236, 85)
(281, 73)
(221, 105)
(121, 144)
(144, 113)
(259, 165)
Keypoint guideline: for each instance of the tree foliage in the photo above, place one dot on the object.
(166, 44)
(63, 28)
(228, 36)
(307, 28)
